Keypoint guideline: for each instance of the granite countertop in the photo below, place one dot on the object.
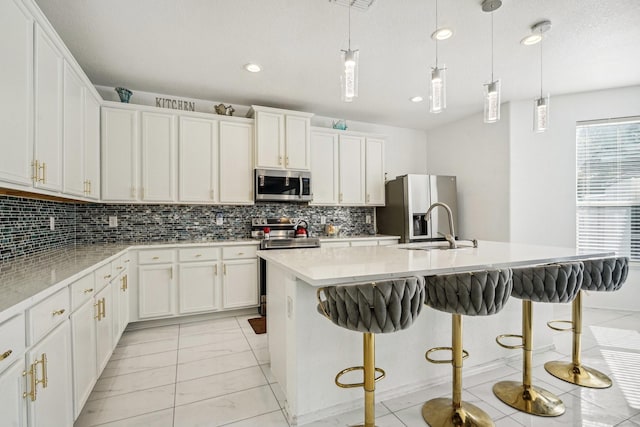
(343, 265)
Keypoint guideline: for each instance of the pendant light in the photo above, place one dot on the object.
(541, 104)
(349, 78)
(492, 89)
(437, 86)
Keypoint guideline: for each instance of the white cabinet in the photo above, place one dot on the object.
(282, 138)
(12, 404)
(156, 289)
(198, 154)
(104, 326)
(236, 163)
(199, 289)
(83, 342)
(121, 288)
(48, 132)
(158, 157)
(16, 86)
(239, 284)
(49, 362)
(91, 146)
(74, 181)
(352, 176)
(374, 172)
(324, 168)
(119, 146)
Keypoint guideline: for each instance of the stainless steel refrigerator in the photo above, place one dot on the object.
(408, 198)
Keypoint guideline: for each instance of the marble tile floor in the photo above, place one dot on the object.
(156, 377)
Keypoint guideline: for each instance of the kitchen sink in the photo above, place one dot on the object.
(440, 246)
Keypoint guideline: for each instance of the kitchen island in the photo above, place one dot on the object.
(306, 350)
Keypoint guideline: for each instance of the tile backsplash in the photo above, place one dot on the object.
(24, 223)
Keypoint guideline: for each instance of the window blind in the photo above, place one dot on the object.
(608, 186)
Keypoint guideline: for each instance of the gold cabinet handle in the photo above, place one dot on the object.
(240, 253)
(99, 316)
(340, 200)
(119, 268)
(88, 290)
(45, 379)
(156, 257)
(6, 354)
(198, 255)
(368, 198)
(32, 382)
(89, 183)
(85, 187)
(215, 270)
(286, 161)
(108, 276)
(224, 269)
(279, 160)
(104, 308)
(58, 312)
(126, 260)
(124, 283)
(35, 170)
(43, 168)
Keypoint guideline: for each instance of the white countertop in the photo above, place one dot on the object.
(324, 239)
(323, 266)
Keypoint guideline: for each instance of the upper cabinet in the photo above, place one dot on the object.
(16, 86)
(74, 180)
(198, 154)
(347, 168)
(159, 140)
(282, 138)
(236, 163)
(119, 154)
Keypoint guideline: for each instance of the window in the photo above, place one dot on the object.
(608, 186)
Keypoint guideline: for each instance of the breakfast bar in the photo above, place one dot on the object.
(306, 351)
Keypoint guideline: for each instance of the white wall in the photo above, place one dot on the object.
(478, 154)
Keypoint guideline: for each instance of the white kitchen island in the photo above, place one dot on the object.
(307, 350)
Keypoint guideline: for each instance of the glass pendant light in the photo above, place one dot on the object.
(492, 89)
(349, 78)
(438, 84)
(541, 104)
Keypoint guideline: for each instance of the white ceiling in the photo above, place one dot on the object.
(197, 48)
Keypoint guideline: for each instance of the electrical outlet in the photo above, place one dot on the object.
(219, 218)
(113, 221)
(52, 223)
(323, 220)
(367, 219)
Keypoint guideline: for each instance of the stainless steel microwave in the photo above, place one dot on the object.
(283, 185)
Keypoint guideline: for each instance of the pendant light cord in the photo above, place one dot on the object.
(492, 46)
(436, 35)
(349, 25)
(541, 64)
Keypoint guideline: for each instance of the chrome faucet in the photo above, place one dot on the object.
(451, 237)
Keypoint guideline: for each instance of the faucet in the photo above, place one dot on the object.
(451, 237)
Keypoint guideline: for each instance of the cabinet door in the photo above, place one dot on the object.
(16, 86)
(114, 315)
(48, 69)
(158, 157)
(269, 140)
(297, 146)
(198, 171)
(12, 404)
(104, 327)
(374, 167)
(52, 407)
(124, 302)
(351, 170)
(236, 163)
(83, 344)
(73, 133)
(156, 291)
(91, 146)
(198, 288)
(240, 283)
(119, 147)
(324, 168)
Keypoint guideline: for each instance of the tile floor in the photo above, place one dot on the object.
(156, 377)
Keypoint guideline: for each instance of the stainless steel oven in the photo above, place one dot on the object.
(283, 185)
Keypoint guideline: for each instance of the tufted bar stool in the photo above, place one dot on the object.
(553, 283)
(372, 308)
(600, 275)
(477, 293)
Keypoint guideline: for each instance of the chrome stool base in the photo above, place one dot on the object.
(441, 413)
(534, 400)
(578, 374)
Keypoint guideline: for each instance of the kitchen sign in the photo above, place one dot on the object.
(176, 104)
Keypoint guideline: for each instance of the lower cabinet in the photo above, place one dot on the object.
(199, 289)
(121, 288)
(83, 342)
(156, 290)
(239, 283)
(12, 404)
(104, 326)
(49, 379)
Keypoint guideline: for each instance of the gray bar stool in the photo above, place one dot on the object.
(477, 293)
(372, 308)
(553, 283)
(600, 275)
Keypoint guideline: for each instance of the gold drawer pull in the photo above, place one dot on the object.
(240, 253)
(99, 316)
(126, 260)
(108, 276)
(156, 257)
(5, 354)
(58, 312)
(45, 379)
(32, 382)
(88, 290)
(198, 255)
(120, 268)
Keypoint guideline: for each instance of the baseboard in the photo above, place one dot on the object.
(144, 324)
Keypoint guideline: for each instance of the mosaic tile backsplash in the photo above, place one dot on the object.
(24, 223)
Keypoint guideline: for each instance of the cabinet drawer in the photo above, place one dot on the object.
(119, 265)
(11, 341)
(47, 314)
(81, 291)
(387, 242)
(198, 254)
(102, 276)
(234, 252)
(156, 257)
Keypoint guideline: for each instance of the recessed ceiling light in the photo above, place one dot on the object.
(442, 33)
(416, 99)
(252, 68)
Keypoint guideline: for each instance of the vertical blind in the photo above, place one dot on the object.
(608, 186)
